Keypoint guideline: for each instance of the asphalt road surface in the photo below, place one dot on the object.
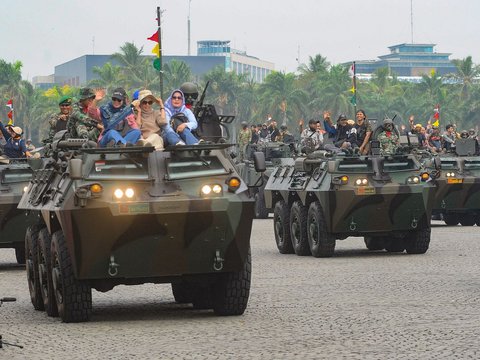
(356, 305)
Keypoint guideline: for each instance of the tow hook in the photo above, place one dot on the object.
(443, 205)
(218, 261)
(414, 223)
(113, 267)
(353, 225)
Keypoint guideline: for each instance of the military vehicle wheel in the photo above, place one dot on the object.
(261, 211)
(374, 243)
(451, 219)
(477, 220)
(31, 251)
(281, 227)
(467, 219)
(394, 245)
(231, 290)
(298, 229)
(45, 273)
(417, 242)
(202, 297)
(322, 244)
(20, 254)
(73, 297)
(182, 293)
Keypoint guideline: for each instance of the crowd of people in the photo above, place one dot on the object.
(143, 120)
(353, 136)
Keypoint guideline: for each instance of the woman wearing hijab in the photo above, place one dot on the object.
(183, 121)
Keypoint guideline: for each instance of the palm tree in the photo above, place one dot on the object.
(316, 65)
(109, 77)
(466, 73)
(131, 59)
(175, 73)
(281, 97)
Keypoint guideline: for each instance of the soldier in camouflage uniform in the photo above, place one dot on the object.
(388, 139)
(84, 121)
(243, 139)
(58, 122)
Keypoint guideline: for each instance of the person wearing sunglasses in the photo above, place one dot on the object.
(150, 120)
(58, 122)
(180, 121)
(120, 127)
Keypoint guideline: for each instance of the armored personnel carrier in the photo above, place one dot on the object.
(15, 175)
(326, 197)
(457, 199)
(132, 215)
(276, 154)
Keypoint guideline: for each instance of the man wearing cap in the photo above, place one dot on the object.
(58, 122)
(84, 121)
(311, 138)
(120, 127)
(149, 120)
(344, 136)
(15, 146)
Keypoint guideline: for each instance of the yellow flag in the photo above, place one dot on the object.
(10, 122)
(352, 90)
(436, 123)
(156, 49)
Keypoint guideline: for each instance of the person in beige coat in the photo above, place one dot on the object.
(149, 120)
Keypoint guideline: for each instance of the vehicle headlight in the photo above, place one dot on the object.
(25, 188)
(217, 189)
(450, 174)
(361, 182)
(413, 180)
(118, 193)
(206, 189)
(129, 193)
(424, 176)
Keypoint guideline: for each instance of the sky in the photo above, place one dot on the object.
(45, 33)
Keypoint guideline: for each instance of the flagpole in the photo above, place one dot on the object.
(354, 89)
(160, 70)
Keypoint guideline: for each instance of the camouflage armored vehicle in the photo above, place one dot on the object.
(276, 154)
(326, 197)
(457, 199)
(132, 215)
(15, 175)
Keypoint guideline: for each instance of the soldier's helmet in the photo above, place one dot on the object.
(472, 132)
(388, 124)
(464, 134)
(283, 127)
(244, 124)
(86, 93)
(190, 90)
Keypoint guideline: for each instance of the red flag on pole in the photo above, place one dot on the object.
(10, 104)
(154, 37)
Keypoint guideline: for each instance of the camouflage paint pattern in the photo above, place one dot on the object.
(168, 229)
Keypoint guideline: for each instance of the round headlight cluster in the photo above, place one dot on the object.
(450, 174)
(361, 182)
(129, 193)
(214, 189)
(413, 180)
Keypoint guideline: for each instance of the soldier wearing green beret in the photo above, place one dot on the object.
(84, 121)
(58, 121)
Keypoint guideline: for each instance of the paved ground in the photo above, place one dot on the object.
(356, 305)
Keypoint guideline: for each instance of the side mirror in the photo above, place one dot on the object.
(75, 168)
(259, 161)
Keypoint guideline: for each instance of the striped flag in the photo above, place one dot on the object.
(10, 104)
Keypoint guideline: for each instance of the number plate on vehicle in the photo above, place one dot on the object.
(142, 208)
(454, 181)
(365, 190)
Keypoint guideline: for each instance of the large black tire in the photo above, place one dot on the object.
(322, 244)
(261, 211)
(182, 293)
(231, 290)
(418, 242)
(31, 253)
(45, 273)
(73, 297)
(477, 219)
(374, 243)
(281, 227)
(451, 219)
(394, 245)
(467, 219)
(298, 229)
(202, 297)
(20, 254)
